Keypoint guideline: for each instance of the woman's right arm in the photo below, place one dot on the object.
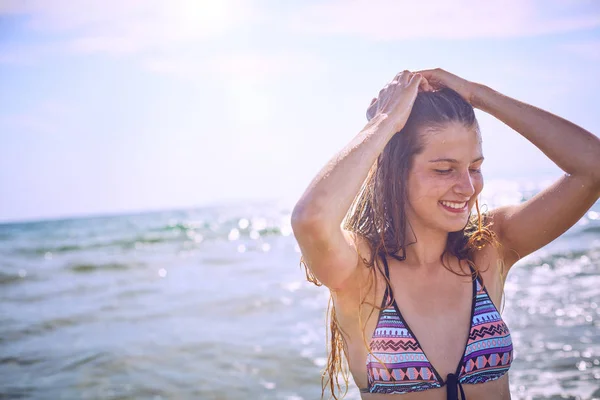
(328, 250)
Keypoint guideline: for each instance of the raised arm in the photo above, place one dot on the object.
(524, 228)
(328, 250)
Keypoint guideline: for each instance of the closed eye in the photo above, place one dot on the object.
(447, 171)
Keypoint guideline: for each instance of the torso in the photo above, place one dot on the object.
(437, 307)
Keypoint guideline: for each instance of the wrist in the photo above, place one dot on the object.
(378, 122)
(387, 126)
(479, 94)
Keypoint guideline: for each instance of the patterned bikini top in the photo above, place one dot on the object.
(487, 356)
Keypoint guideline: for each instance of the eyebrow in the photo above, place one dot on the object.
(452, 160)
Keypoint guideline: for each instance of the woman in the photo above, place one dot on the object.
(392, 226)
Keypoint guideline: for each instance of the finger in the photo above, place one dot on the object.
(432, 73)
(399, 74)
(424, 85)
(426, 72)
(373, 101)
(403, 77)
(383, 90)
(433, 83)
(415, 80)
(433, 77)
(371, 110)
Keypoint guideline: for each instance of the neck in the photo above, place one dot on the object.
(426, 248)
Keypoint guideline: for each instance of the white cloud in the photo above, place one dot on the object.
(267, 66)
(117, 26)
(167, 38)
(442, 19)
(249, 66)
(247, 79)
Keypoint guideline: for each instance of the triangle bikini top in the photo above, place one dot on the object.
(397, 363)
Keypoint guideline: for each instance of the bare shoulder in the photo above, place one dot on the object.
(496, 217)
(493, 268)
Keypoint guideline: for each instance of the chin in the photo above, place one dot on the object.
(456, 230)
(456, 226)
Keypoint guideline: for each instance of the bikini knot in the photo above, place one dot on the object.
(452, 387)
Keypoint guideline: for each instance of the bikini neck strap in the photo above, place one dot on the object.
(383, 254)
(386, 268)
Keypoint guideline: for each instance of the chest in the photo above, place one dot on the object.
(438, 313)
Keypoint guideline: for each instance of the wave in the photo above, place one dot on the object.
(186, 234)
(20, 361)
(128, 243)
(6, 278)
(591, 229)
(44, 327)
(87, 268)
(75, 362)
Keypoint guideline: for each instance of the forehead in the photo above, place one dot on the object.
(453, 140)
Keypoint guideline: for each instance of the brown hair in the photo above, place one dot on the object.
(377, 215)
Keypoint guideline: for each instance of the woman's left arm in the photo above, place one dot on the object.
(526, 227)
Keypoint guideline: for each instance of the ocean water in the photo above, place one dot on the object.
(210, 303)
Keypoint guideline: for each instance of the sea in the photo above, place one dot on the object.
(211, 303)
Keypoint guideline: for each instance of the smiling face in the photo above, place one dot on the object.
(445, 178)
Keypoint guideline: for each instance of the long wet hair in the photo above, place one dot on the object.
(377, 214)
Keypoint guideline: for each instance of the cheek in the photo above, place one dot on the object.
(424, 187)
(478, 184)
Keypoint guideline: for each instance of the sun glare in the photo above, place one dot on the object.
(204, 16)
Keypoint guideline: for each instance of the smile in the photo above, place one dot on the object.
(454, 206)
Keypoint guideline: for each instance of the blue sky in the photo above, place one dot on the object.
(116, 106)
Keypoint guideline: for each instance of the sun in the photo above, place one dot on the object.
(208, 17)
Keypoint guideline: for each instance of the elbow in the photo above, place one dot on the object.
(593, 182)
(589, 181)
(595, 168)
(313, 220)
(309, 227)
(304, 217)
(596, 186)
(596, 176)
(306, 227)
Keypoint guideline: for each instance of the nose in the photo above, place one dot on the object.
(464, 185)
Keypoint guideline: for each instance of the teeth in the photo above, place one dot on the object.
(457, 206)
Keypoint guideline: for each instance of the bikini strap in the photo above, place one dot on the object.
(476, 274)
(385, 265)
(388, 294)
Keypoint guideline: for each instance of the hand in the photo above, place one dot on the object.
(438, 78)
(396, 98)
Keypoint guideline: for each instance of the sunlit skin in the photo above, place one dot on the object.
(448, 169)
(434, 301)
